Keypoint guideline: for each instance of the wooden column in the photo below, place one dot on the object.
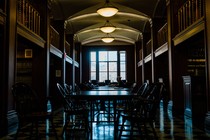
(3, 71)
(143, 55)
(207, 35)
(10, 63)
(170, 51)
(47, 48)
(152, 50)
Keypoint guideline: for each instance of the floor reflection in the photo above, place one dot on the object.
(168, 127)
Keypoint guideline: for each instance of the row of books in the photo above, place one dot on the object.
(190, 12)
(28, 16)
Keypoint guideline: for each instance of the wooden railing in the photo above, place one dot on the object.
(67, 48)
(163, 35)
(140, 55)
(54, 37)
(148, 48)
(190, 12)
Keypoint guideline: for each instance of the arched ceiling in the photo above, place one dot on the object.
(83, 21)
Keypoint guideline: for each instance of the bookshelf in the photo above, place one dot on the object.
(24, 65)
(28, 16)
(196, 61)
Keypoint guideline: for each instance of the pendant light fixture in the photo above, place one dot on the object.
(107, 10)
(108, 27)
(107, 39)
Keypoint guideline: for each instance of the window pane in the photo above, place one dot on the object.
(112, 55)
(102, 76)
(122, 66)
(102, 66)
(113, 76)
(122, 56)
(92, 75)
(108, 65)
(93, 66)
(92, 56)
(123, 75)
(103, 56)
(112, 66)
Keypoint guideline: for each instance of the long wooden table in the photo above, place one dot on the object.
(106, 95)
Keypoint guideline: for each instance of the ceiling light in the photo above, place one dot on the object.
(107, 39)
(108, 28)
(107, 10)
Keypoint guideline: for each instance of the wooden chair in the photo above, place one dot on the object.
(142, 91)
(68, 88)
(76, 113)
(142, 111)
(30, 110)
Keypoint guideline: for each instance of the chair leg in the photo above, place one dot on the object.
(64, 127)
(121, 129)
(66, 123)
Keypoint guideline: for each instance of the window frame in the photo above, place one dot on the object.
(108, 62)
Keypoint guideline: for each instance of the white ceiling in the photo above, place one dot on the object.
(131, 21)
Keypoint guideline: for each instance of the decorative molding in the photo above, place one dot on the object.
(140, 63)
(56, 51)
(76, 64)
(161, 49)
(147, 58)
(189, 32)
(69, 59)
(31, 36)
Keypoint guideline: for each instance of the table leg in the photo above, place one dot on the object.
(115, 122)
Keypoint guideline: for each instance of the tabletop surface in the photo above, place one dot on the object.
(103, 93)
(110, 88)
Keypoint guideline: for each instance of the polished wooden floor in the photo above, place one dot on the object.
(168, 127)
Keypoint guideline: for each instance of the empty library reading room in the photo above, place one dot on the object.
(105, 69)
